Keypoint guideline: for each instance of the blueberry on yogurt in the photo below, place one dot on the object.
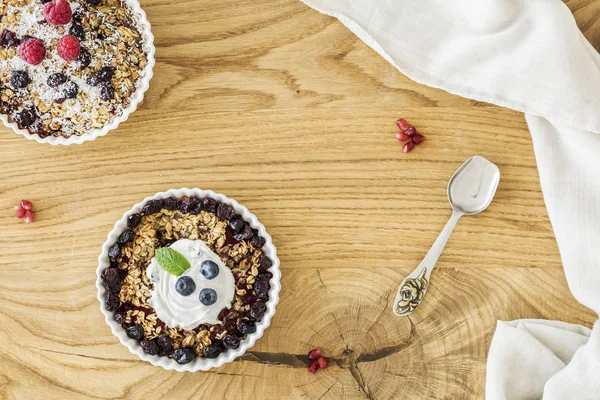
(208, 297)
(185, 286)
(209, 269)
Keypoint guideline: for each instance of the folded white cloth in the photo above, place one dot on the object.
(527, 55)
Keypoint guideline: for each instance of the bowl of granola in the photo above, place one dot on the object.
(188, 280)
(72, 70)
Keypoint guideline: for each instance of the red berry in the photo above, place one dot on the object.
(408, 146)
(29, 216)
(58, 12)
(68, 48)
(314, 354)
(313, 367)
(418, 138)
(401, 136)
(26, 204)
(20, 211)
(32, 51)
(322, 363)
(411, 131)
(402, 124)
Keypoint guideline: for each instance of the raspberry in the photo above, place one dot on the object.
(58, 12)
(32, 51)
(68, 48)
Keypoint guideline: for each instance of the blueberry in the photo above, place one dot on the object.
(134, 220)
(257, 311)
(114, 252)
(208, 297)
(149, 346)
(55, 80)
(209, 269)
(165, 345)
(184, 355)
(237, 224)
(231, 342)
(71, 90)
(20, 79)
(246, 327)
(135, 332)
(126, 237)
(111, 302)
(212, 350)
(185, 286)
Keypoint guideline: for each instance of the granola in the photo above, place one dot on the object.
(110, 40)
(162, 223)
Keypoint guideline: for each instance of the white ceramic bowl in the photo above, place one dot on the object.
(199, 364)
(136, 98)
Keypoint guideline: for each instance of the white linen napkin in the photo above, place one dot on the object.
(530, 56)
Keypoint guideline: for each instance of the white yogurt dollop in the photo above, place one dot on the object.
(188, 312)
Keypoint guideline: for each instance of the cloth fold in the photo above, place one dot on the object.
(527, 55)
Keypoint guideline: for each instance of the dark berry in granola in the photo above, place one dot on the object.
(111, 279)
(71, 90)
(134, 220)
(149, 347)
(265, 262)
(237, 224)
(103, 75)
(261, 288)
(223, 314)
(209, 269)
(152, 207)
(119, 318)
(135, 332)
(257, 241)
(84, 59)
(9, 39)
(185, 286)
(111, 301)
(93, 2)
(20, 79)
(225, 211)
(212, 350)
(246, 327)
(114, 252)
(187, 203)
(208, 297)
(26, 118)
(257, 311)
(126, 237)
(231, 342)
(245, 234)
(170, 203)
(184, 355)
(57, 79)
(107, 92)
(165, 345)
(209, 204)
(77, 31)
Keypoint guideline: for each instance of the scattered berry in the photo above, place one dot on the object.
(208, 297)
(187, 203)
(418, 138)
(185, 286)
(32, 52)
(26, 204)
(57, 79)
(314, 354)
(58, 12)
(401, 136)
(314, 367)
(20, 211)
(26, 118)
(411, 131)
(265, 262)
(184, 355)
(71, 90)
(322, 363)
(119, 318)
(68, 48)
(149, 347)
(209, 269)
(212, 350)
(20, 79)
(402, 124)
(135, 332)
(257, 241)
(408, 146)
(104, 75)
(261, 288)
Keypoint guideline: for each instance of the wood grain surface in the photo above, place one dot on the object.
(285, 110)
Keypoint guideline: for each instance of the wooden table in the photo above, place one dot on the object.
(285, 110)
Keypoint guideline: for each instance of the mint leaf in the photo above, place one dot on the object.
(172, 261)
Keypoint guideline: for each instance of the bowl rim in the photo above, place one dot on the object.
(136, 98)
(199, 364)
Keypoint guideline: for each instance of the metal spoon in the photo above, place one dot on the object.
(470, 191)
